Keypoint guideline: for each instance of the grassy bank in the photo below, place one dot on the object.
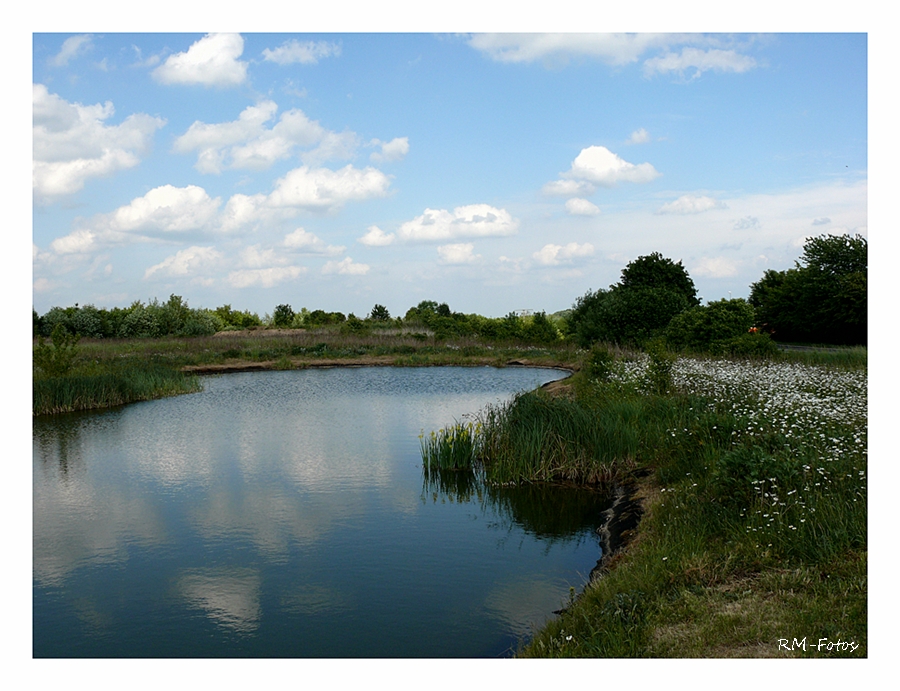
(92, 386)
(108, 372)
(754, 483)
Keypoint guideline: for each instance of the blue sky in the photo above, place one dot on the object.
(494, 172)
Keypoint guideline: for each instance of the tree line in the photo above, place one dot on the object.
(822, 299)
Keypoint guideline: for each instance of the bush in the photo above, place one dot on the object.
(710, 328)
(56, 360)
(600, 363)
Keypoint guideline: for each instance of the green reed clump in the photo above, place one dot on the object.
(87, 389)
(454, 447)
(537, 437)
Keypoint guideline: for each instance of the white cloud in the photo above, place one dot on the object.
(715, 267)
(552, 255)
(76, 242)
(691, 204)
(461, 253)
(346, 266)
(394, 150)
(599, 165)
(71, 143)
(700, 61)
(247, 143)
(376, 237)
(186, 261)
(309, 243)
(616, 49)
(640, 136)
(323, 189)
(253, 257)
(211, 61)
(569, 188)
(72, 47)
(581, 207)
(304, 52)
(823, 221)
(335, 146)
(245, 278)
(475, 220)
(163, 211)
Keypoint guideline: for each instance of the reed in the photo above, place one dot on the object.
(86, 390)
(454, 447)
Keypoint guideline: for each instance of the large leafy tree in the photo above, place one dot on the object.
(823, 299)
(652, 290)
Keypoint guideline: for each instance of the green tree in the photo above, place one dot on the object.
(652, 290)
(823, 299)
(380, 313)
(282, 317)
(710, 327)
(658, 272)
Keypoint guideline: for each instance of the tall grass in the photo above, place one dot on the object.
(755, 519)
(86, 390)
(536, 437)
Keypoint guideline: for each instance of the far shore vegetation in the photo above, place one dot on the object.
(740, 427)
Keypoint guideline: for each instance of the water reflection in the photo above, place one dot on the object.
(549, 512)
(284, 514)
(229, 597)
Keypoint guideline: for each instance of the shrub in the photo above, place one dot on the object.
(56, 360)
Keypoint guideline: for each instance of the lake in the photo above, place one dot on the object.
(286, 514)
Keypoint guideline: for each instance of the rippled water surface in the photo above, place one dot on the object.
(285, 514)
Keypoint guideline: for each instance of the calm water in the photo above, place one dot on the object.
(285, 514)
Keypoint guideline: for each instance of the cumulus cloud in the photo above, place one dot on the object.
(346, 266)
(253, 257)
(323, 189)
(376, 237)
(163, 211)
(309, 243)
(600, 166)
(568, 188)
(553, 255)
(581, 207)
(691, 204)
(267, 278)
(640, 136)
(715, 267)
(394, 150)
(824, 221)
(461, 253)
(699, 61)
(211, 61)
(248, 143)
(304, 52)
(72, 47)
(333, 146)
(615, 49)
(79, 241)
(71, 143)
(475, 220)
(185, 262)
